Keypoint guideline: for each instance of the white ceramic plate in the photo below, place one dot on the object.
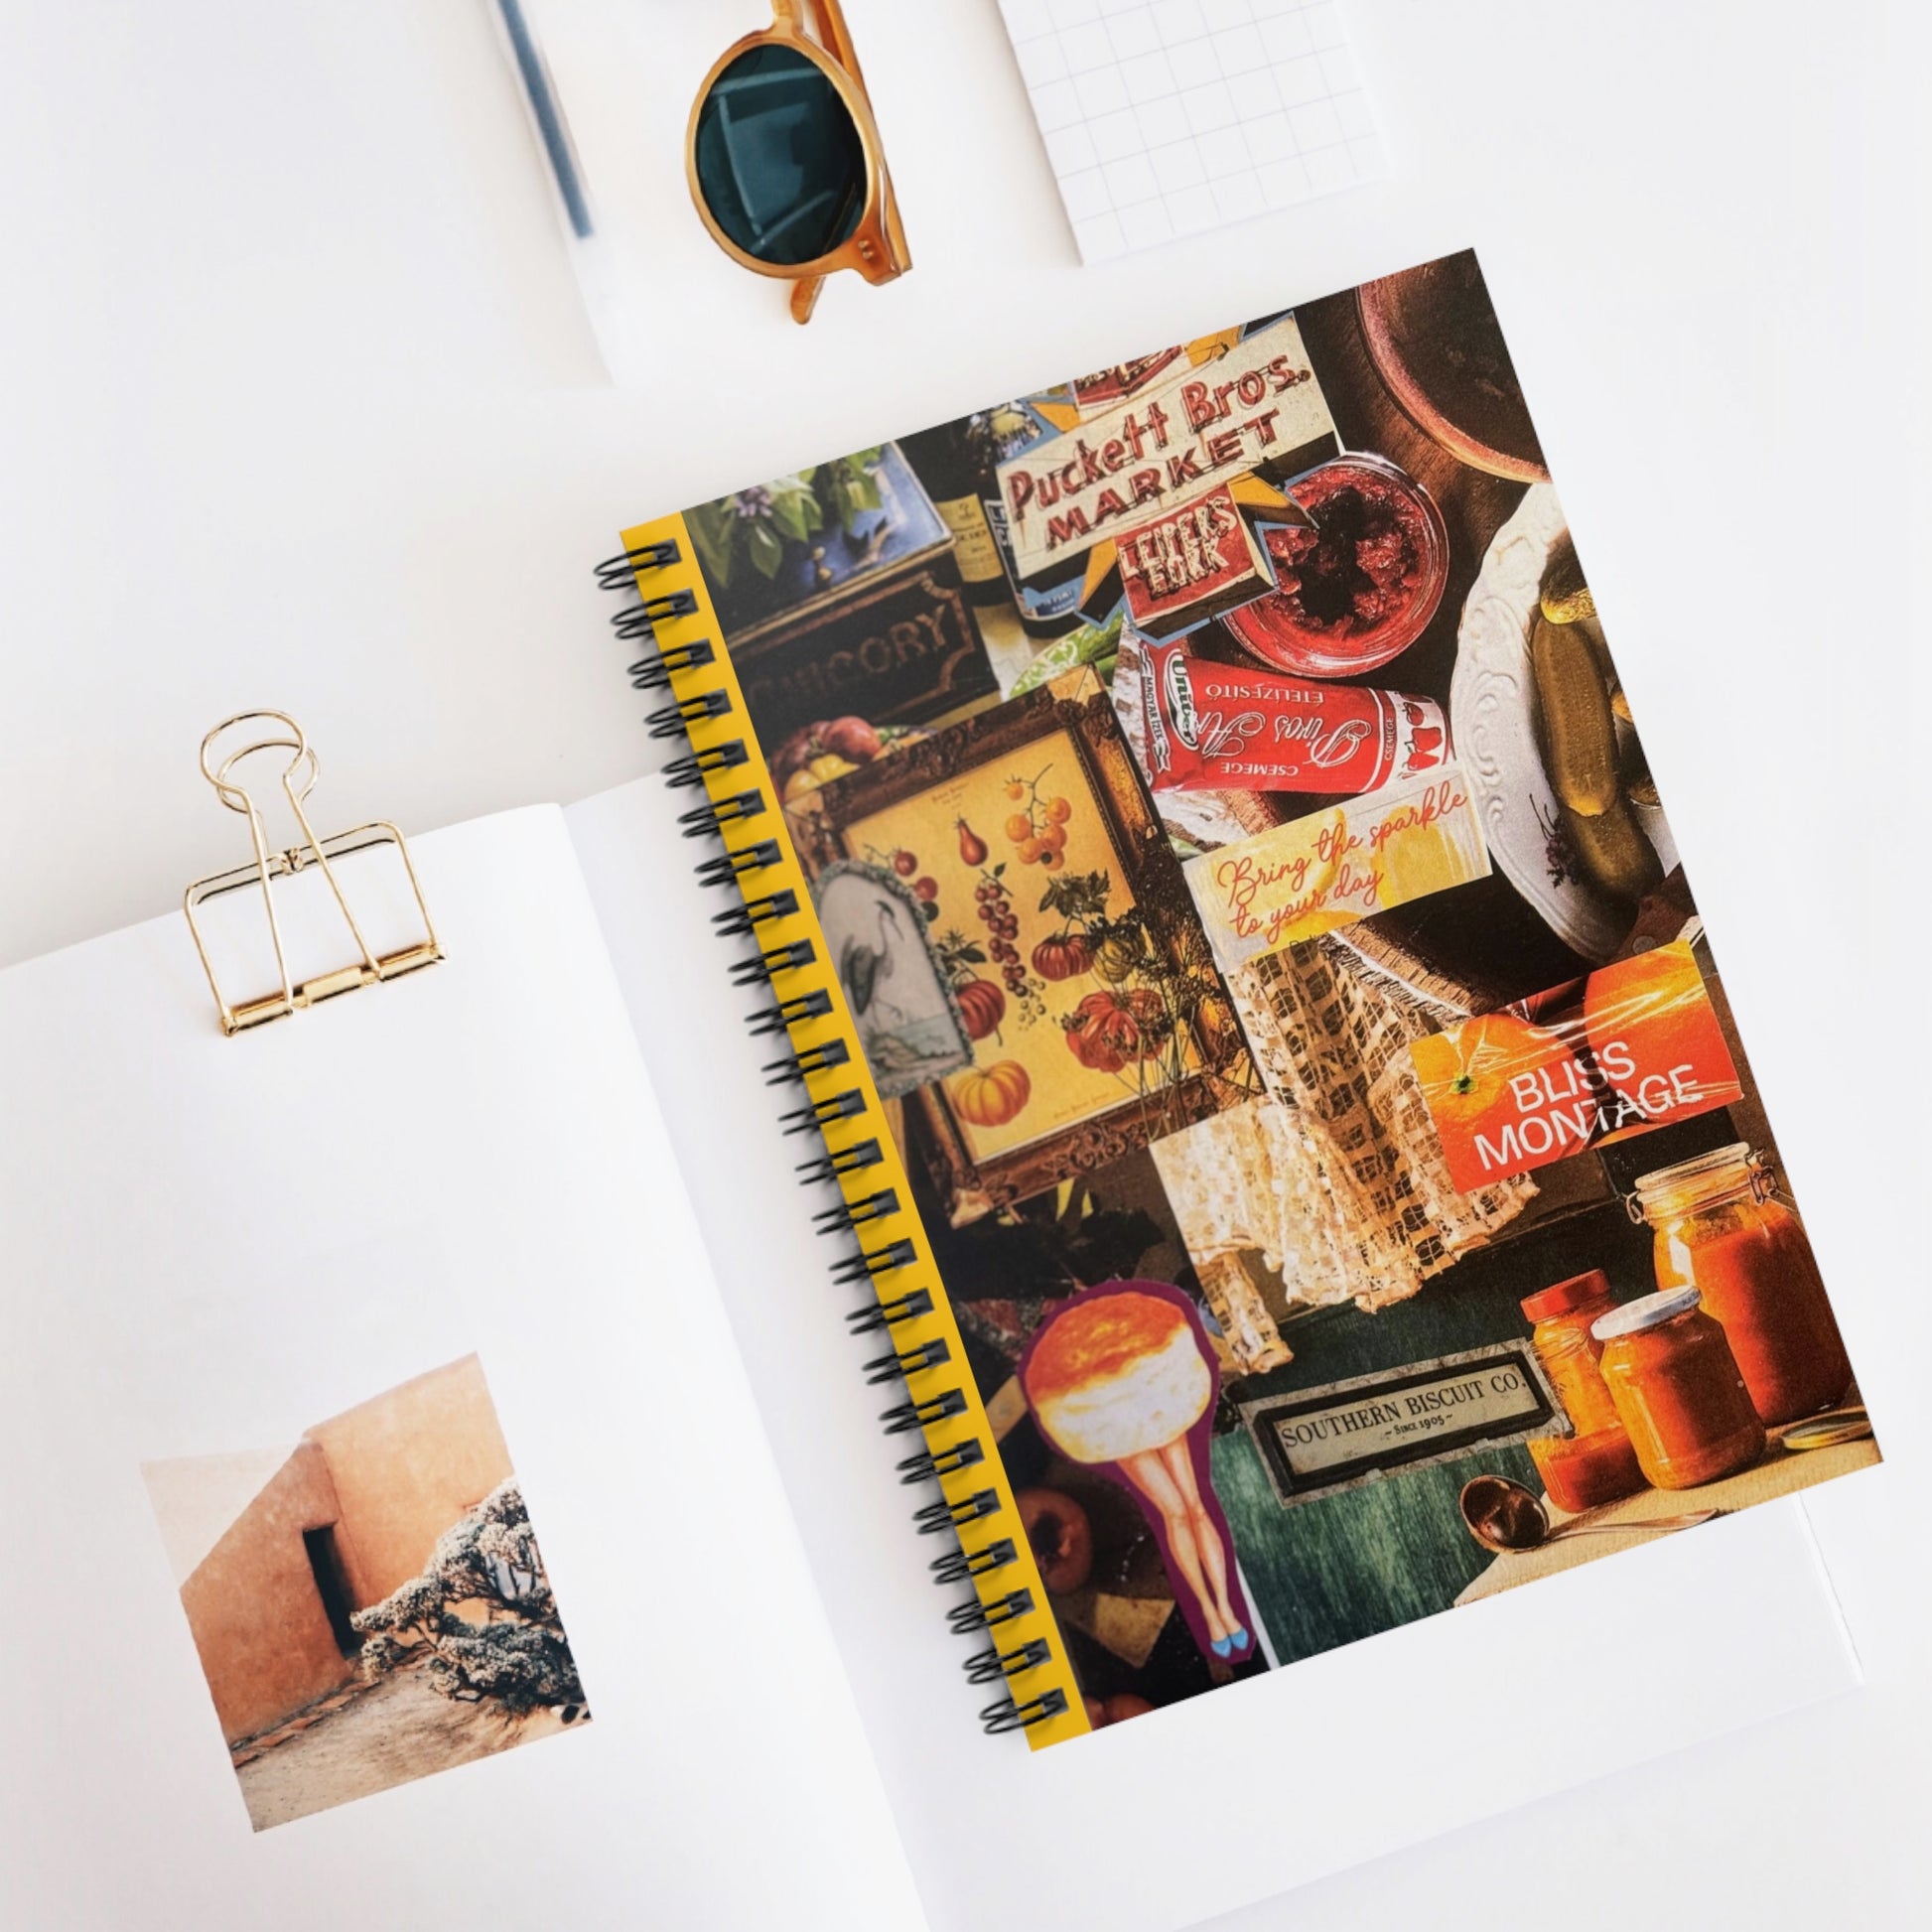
(1492, 718)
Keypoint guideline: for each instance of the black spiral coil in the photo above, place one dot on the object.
(1014, 1716)
(732, 865)
(902, 1417)
(992, 1664)
(696, 766)
(807, 1059)
(701, 821)
(943, 1515)
(650, 611)
(956, 1566)
(870, 1263)
(884, 1315)
(936, 1353)
(766, 967)
(848, 1105)
(675, 720)
(653, 671)
(782, 1015)
(928, 1465)
(789, 1007)
(620, 572)
(855, 1213)
(835, 1164)
(737, 921)
(977, 1616)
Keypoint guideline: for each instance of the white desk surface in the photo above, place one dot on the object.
(301, 409)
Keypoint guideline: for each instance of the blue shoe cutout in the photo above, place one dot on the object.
(1223, 1646)
(1240, 1640)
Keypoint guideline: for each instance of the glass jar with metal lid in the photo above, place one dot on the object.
(1721, 1228)
(1677, 1390)
(1595, 1463)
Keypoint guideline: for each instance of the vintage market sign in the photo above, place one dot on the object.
(1639, 1048)
(1164, 449)
(1318, 1441)
(1418, 836)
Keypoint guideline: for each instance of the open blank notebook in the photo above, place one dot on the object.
(492, 1287)
(1164, 117)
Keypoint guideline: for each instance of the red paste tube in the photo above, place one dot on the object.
(1220, 727)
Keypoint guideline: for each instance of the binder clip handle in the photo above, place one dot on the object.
(277, 731)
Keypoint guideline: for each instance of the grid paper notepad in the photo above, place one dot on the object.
(1167, 117)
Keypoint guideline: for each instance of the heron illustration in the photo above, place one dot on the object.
(863, 966)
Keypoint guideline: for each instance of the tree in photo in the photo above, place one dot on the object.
(511, 1650)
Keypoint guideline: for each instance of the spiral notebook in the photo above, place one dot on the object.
(1058, 1023)
(1271, 1063)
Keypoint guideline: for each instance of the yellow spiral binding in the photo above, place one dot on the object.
(980, 1530)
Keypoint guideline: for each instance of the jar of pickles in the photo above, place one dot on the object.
(1677, 1390)
(1597, 1464)
(1719, 1228)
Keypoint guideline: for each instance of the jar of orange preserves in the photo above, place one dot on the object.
(1678, 1390)
(1597, 1464)
(1561, 1318)
(1721, 1228)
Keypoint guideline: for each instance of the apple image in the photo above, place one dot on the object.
(850, 738)
(1061, 1538)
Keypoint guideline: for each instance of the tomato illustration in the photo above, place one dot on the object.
(1063, 956)
(982, 1005)
(1109, 1029)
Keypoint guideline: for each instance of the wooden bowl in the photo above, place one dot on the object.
(1435, 342)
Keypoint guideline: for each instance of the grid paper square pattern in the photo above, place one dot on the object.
(1166, 117)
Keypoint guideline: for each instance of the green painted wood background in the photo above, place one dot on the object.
(1344, 1567)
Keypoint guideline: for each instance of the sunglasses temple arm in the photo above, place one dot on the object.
(895, 231)
(838, 43)
(804, 295)
(832, 32)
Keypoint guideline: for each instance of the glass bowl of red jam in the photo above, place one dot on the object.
(1360, 585)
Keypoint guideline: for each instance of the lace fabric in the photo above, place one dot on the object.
(1335, 1176)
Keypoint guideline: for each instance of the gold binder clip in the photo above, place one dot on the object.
(297, 780)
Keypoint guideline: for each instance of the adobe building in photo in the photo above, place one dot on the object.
(275, 1549)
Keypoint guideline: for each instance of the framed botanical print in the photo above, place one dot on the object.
(1064, 933)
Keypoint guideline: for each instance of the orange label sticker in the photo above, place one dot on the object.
(1638, 1047)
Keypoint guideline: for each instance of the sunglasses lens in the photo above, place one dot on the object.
(781, 164)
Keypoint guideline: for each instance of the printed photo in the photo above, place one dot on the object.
(368, 1598)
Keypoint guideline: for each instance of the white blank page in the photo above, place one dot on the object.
(207, 1244)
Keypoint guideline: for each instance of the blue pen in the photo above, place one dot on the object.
(552, 129)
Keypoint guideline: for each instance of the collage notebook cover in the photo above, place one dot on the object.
(1201, 865)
